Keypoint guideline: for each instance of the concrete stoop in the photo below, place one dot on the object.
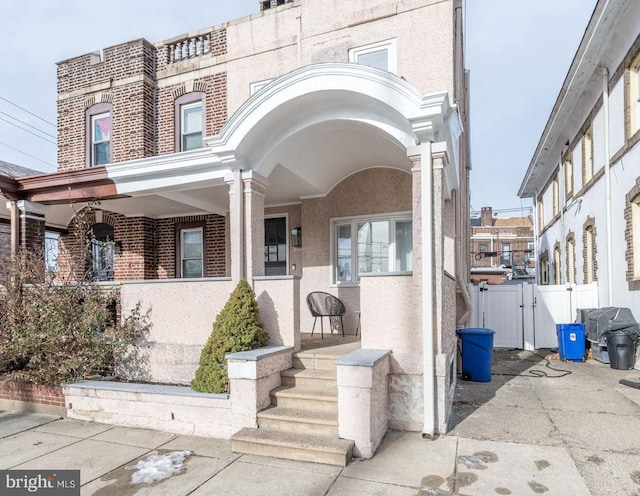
(302, 421)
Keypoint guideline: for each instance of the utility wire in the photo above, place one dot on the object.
(27, 131)
(27, 124)
(30, 113)
(25, 153)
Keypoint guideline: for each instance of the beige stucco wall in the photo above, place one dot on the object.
(276, 41)
(368, 192)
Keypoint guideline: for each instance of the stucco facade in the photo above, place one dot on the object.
(293, 128)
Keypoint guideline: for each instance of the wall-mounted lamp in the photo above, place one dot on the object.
(296, 237)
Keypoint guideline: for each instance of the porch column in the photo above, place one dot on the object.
(15, 227)
(236, 223)
(32, 224)
(255, 187)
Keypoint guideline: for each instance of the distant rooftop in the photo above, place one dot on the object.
(13, 170)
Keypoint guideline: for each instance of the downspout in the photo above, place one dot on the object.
(536, 227)
(562, 201)
(607, 183)
(426, 188)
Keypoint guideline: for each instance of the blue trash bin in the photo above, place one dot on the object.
(477, 349)
(571, 342)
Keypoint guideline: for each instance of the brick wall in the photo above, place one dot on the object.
(125, 78)
(31, 393)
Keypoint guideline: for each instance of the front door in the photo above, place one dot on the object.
(275, 246)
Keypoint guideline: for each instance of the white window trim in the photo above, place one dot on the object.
(187, 106)
(94, 141)
(392, 218)
(392, 52)
(183, 258)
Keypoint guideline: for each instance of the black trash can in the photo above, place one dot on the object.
(621, 346)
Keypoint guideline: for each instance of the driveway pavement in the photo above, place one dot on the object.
(531, 430)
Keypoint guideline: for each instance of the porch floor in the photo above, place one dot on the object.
(333, 344)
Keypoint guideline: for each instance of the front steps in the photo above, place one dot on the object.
(302, 421)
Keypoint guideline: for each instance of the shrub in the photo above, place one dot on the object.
(52, 332)
(237, 328)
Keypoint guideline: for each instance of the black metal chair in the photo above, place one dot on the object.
(325, 305)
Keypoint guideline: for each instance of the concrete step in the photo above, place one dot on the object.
(293, 446)
(309, 377)
(323, 399)
(303, 421)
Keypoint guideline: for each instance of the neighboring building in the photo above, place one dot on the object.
(9, 174)
(286, 148)
(500, 243)
(584, 176)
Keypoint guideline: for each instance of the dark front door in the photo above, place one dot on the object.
(275, 247)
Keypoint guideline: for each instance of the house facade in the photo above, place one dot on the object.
(584, 177)
(286, 148)
(500, 242)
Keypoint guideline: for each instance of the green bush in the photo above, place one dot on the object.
(53, 332)
(237, 328)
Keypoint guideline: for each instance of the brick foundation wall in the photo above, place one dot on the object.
(41, 394)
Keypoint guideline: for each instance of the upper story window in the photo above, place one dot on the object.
(556, 195)
(190, 120)
(634, 95)
(568, 178)
(378, 244)
(382, 55)
(587, 153)
(98, 134)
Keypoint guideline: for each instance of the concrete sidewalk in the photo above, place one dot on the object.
(522, 433)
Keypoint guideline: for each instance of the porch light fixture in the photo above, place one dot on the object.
(296, 237)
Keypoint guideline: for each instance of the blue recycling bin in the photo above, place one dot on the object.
(571, 342)
(477, 349)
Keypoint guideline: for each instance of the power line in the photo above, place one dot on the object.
(30, 113)
(27, 131)
(27, 124)
(25, 153)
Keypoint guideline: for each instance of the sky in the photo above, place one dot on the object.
(518, 54)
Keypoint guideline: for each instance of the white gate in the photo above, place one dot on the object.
(524, 316)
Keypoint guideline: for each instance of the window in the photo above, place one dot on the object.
(557, 268)
(505, 255)
(191, 252)
(635, 236)
(587, 153)
(102, 251)
(382, 55)
(540, 214)
(571, 261)
(556, 195)
(589, 255)
(380, 245)
(634, 96)
(189, 115)
(98, 134)
(568, 178)
(275, 246)
(51, 250)
(483, 247)
(544, 268)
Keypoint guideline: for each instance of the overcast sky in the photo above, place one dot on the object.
(518, 53)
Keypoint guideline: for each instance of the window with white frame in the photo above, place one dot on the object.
(571, 261)
(51, 250)
(540, 213)
(101, 138)
(371, 245)
(191, 126)
(589, 276)
(557, 266)
(556, 195)
(191, 252)
(505, 254)
(568, 178)
(382, 55)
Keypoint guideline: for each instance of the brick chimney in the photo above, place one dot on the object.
(486, 216)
